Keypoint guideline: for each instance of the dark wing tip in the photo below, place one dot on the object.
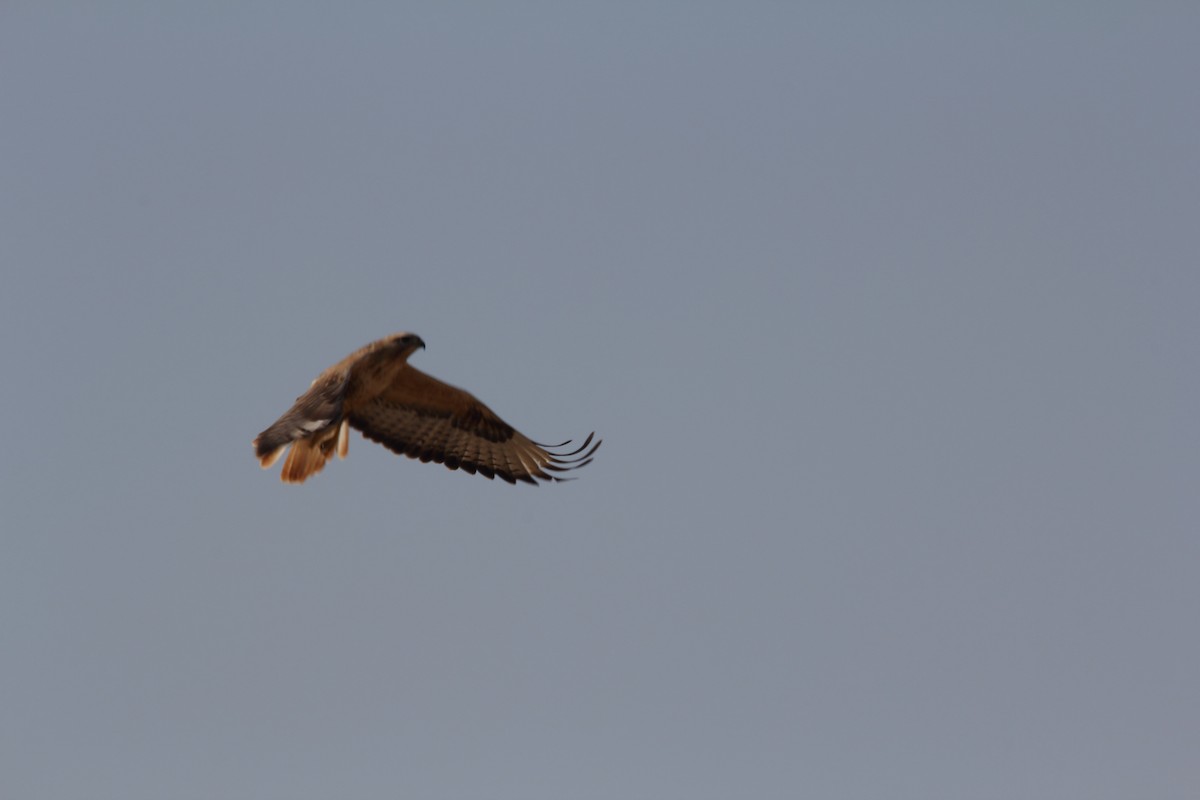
(566, 461)
(549, 448)
(580, 456)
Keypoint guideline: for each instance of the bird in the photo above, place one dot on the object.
(376, 391)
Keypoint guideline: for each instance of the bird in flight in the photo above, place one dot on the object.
(375, 390)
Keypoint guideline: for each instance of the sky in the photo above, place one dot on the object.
(886, 314)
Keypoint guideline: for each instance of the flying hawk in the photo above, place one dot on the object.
(375, 390)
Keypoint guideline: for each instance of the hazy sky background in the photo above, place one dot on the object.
(887, 314)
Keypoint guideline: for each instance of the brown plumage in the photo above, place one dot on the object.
(376, 391)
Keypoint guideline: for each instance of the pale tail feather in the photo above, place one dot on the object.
(343, 439)
(270, 458)
(306, 458)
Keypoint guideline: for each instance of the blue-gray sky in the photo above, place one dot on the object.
(887, 314)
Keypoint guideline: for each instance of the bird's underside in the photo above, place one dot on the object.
(411, 413)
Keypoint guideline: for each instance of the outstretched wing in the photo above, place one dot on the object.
(419, 416)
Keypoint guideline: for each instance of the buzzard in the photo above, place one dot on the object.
(376, 391)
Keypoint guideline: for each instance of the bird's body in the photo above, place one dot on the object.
(376, 391)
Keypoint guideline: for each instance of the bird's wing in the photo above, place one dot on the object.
(420, 417)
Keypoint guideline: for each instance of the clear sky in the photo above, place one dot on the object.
(887, 314)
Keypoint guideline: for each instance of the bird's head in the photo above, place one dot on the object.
(405, 343)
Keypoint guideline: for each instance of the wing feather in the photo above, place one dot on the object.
(418, 416)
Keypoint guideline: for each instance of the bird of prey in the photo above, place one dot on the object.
(376, 391)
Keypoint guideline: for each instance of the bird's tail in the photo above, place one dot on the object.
(308, 455)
